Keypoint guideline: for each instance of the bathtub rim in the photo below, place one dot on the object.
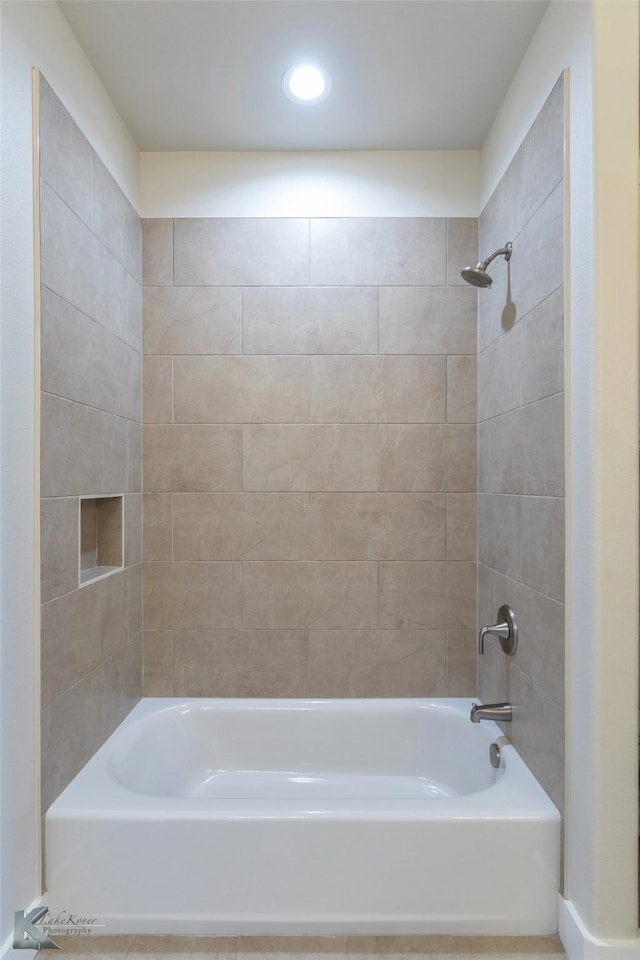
(94, 793)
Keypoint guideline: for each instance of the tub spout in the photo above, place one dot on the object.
(491, 711)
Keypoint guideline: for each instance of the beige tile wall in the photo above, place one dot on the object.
(91, 411)
(310, 457)
(521, 506)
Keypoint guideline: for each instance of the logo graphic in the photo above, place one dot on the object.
(26, 936)
(32, 930)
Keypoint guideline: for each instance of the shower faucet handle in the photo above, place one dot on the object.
(506, 630)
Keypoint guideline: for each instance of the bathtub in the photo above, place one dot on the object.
(227, 817)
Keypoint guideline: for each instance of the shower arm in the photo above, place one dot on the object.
(503, 251)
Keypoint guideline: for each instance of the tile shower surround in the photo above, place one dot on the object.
(310, 410)
(521, 505)
(91, 412)
(310, 457)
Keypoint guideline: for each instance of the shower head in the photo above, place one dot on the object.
(477, 276)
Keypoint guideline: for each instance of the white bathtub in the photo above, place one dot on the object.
(228, 817)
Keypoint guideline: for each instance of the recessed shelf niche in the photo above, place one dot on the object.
(101, 546)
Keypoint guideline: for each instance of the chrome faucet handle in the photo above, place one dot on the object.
(506, 629)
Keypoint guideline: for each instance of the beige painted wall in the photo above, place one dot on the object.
(335, 183)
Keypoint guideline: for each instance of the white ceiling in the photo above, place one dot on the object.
(206, 74)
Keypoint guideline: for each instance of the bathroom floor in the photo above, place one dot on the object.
(311, 948)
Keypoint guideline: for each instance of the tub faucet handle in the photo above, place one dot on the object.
(506, 629)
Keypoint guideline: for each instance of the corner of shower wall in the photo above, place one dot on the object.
(91, 440)
(521, 469)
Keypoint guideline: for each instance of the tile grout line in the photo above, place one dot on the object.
(88, 316)
(90, 228)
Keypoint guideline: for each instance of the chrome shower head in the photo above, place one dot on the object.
(477, 276)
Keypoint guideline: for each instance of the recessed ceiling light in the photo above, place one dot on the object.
(306, 83)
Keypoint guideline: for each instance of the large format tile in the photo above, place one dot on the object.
(115, 222)
(135, 600)
(59, 538)
(537, 732)
(534, 172)
(387, 250)
(191, 596)
(462, 247)
(427, 596)
(500, 373)
(308, 594)
(493, 592)
(462, 517)
(527, 449)
(429, 457)
(543, 349)
(157, 661)
(84, 362)
(377, 663)
(80, 269)
(310, 320)
(377, 526)
(116, 687)
(191, 458)
(134, 313)
(428, 320)
(484, 457)
(132, 529)
(240, 251)
(157, 253)
(192, 320)
(79, 630)
(240, 526)
(240, 663)
(241, 389)
(134, 452)
(462, 389)
(157, 513)
(461, 663)
(65, 154)
(523, 537)
(543, 546)
(378, 389)
(157, 402)
(84, 451)
(499, 533)
(525, 363)
(310, 457)
(540, 652)
(536, 270)
(66, 740)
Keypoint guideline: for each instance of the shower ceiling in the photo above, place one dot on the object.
(207, 74)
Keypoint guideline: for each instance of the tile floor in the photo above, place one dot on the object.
(311, 948)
